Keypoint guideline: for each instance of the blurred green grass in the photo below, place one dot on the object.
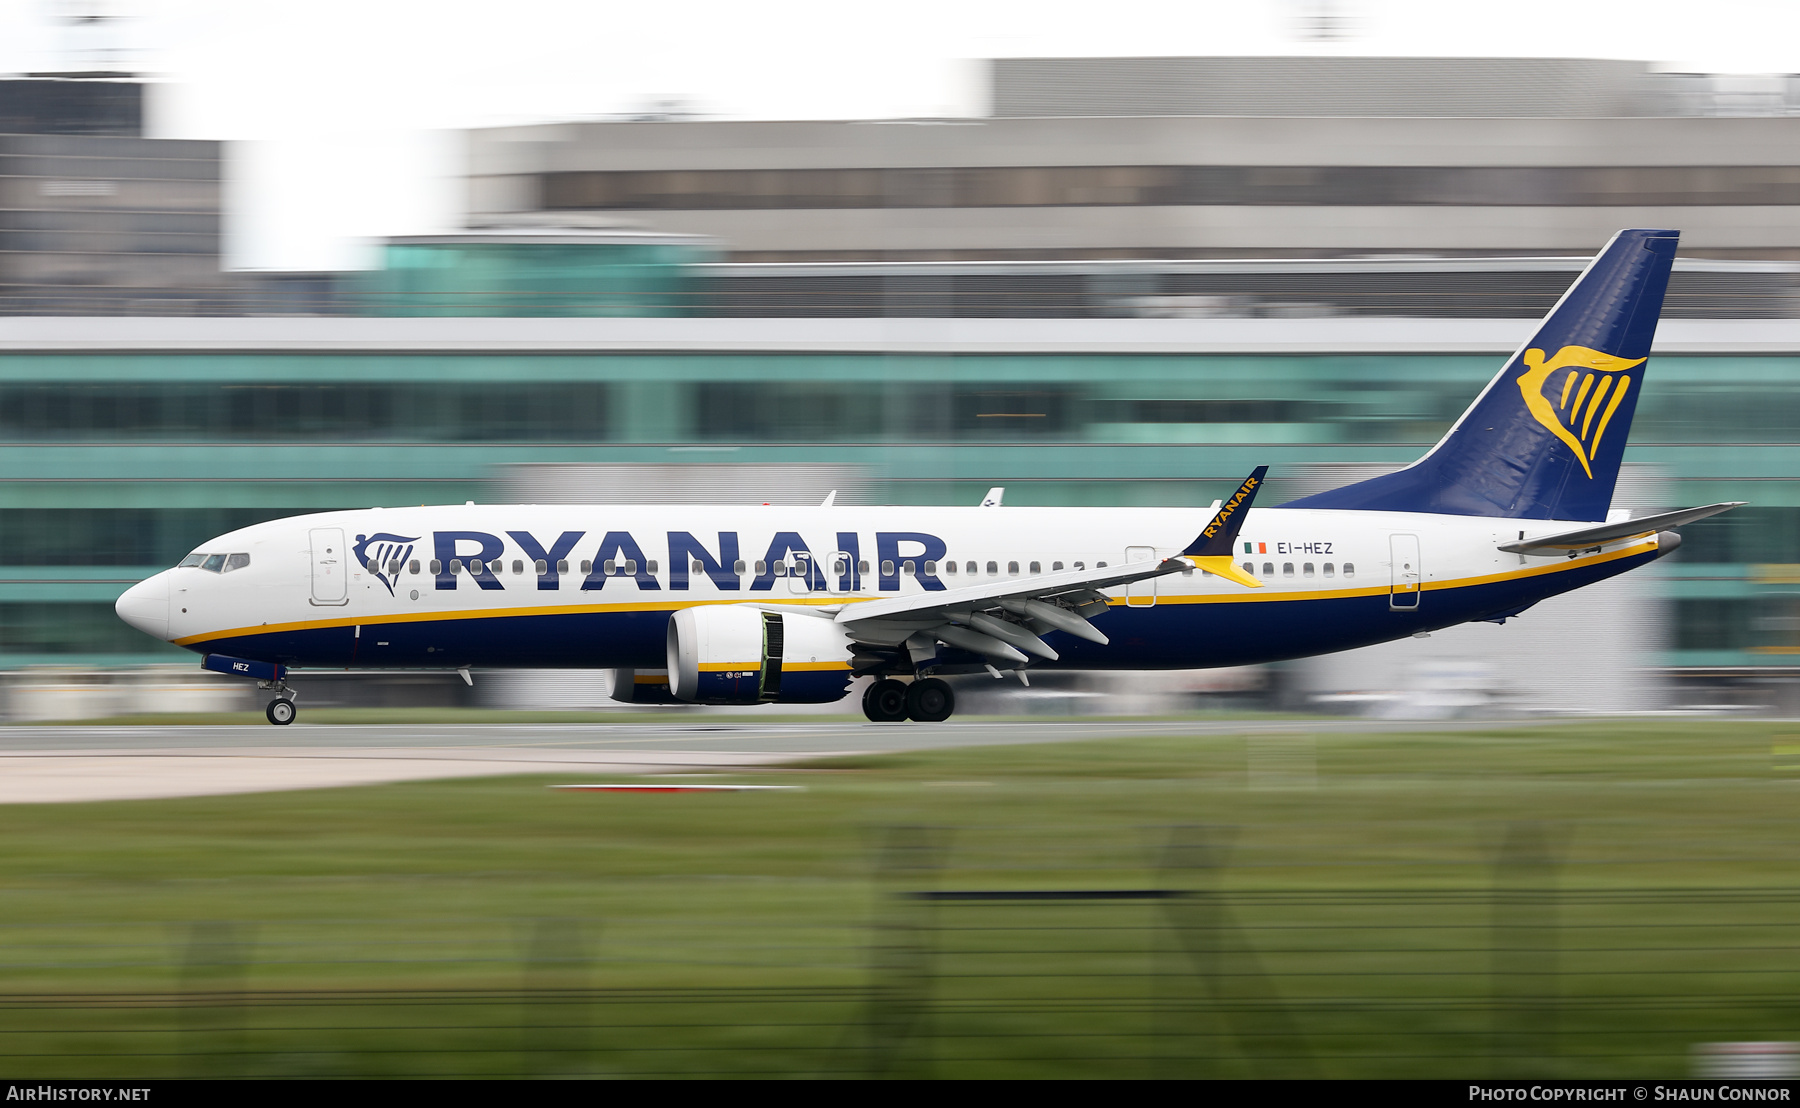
(1351, 907)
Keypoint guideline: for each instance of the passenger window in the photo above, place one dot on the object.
(1080, 565)
(215, 563)
(699, 567)
(737, 567)
(587, 567)
(414, 567)
(651, 566)
(519, 567)
(887, 568)
(1012, 569)
(1349, 570)
(1037, 567)
(907, 568)
(1054, 566)
(969, 568)
(1250, 568)
(930, 569)
(610, 569)
(993, 569)
(779, 569)
(631, 567)
(455, 566)
(236, 561)
(862, 567)
(1187, 570)
(1099, 565)
(191, 560)
(1327, 569)
(562, 565)
(1306, 570)
(542, 567)
(950, 569)
(762, 568)
(1268, 569)
(437, 567)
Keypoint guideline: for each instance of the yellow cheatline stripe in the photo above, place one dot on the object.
(1586, 383)
(1568, 383)
(1250, 597)
(1562, 566)
(1618, 395)
(496, 613)
(1594, 405)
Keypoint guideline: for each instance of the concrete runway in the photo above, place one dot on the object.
(41, 765)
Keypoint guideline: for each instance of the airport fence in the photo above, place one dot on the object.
(966, 961)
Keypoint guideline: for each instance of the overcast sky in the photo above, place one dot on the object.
(342, 112)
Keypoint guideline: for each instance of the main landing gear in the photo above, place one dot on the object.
(928, 700)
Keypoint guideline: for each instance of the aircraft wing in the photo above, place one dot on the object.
(1601, 534)
(1005, 620)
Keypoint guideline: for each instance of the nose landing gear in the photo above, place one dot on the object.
(281, 711)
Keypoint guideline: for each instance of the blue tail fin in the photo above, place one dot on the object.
(1545, 438)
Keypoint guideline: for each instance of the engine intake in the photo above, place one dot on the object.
(738, 654)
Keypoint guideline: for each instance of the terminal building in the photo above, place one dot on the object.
(1133, 301)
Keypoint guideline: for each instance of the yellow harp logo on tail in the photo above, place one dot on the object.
(1585, 388)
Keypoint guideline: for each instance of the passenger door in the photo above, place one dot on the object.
(1407, 573)
(330, 567)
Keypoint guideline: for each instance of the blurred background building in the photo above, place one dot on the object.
(1134, 281)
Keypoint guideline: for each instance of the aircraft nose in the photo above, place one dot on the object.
(145, 606)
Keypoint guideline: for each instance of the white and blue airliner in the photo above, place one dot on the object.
(757, 605)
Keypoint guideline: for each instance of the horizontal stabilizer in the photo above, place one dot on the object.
(1613, 532)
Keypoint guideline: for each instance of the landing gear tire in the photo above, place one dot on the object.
(929, 701)
(281, 712)
(885, 702)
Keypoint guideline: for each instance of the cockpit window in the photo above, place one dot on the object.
(191, 560)
(236, 561)
(215, 563)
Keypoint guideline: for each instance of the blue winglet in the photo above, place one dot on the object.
(1216, 538)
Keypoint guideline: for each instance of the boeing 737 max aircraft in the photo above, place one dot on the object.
(748, 605)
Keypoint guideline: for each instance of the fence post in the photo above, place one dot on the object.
(1243, 997)
(213, 968)
(556, 1029)
(1524, 986)
(898, 1013)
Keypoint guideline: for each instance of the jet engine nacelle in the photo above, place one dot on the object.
(738, 654)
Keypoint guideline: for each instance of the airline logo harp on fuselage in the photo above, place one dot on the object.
(1576, 405)
(383, 554)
